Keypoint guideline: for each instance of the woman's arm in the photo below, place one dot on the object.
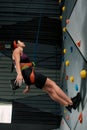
(16, 57)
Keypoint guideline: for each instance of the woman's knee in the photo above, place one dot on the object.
(50, 83)
(53, 95)
(47, 89)
(49, 86)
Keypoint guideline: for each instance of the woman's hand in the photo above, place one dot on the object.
(26, 90)
(19, 79)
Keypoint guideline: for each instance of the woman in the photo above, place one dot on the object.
(26, 73)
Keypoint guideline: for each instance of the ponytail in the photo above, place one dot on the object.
(14, 45)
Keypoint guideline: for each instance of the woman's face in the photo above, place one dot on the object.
(21, 44)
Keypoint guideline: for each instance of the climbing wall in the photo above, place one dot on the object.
(74, 62)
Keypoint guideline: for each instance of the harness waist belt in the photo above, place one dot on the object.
(25, 65)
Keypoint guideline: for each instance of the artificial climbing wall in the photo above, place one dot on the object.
(74, 62)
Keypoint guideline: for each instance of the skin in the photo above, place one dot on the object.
(16, 56)
(50, 87)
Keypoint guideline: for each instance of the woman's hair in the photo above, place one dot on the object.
(14, 44)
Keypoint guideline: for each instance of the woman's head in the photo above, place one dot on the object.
(20, 44)
(16, 44)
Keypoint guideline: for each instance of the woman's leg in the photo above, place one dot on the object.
(56, 98)
(56, 93)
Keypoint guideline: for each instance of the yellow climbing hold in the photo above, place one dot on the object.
(72, 79)
(64, 29)
(63, 8)
(67, 63)
(59, 1)
(60, 17)
(83, 73)
(64, 51)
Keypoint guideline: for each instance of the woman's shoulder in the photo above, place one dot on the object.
(18, 50)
